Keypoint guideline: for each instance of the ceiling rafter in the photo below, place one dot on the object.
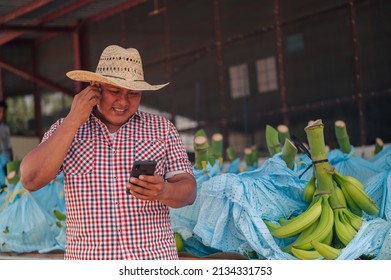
(98, 17)
(47, 19)
(114, 10)
(23, 10)
(33, 77)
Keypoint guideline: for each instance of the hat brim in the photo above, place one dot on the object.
(87, 76)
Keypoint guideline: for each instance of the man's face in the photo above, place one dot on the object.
(117, 105)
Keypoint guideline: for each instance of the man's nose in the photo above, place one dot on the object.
(123, 98)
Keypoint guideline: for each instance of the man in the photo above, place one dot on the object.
(95, 146)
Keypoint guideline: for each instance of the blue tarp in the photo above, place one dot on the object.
(27, 222)
(232, 208)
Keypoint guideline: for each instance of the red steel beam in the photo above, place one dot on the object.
(220, 72)
(63, 11)
(100, 16)
(357, 72)
(34, 78)
(2, 96)
(114, 10)
(23, 10)
(37, 98)
(76, 57)
(280, 61)
(169, 67)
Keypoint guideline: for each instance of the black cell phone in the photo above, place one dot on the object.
(142, 167)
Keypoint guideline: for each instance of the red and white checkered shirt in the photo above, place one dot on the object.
(103, 221)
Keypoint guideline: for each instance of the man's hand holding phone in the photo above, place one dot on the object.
(143, 182)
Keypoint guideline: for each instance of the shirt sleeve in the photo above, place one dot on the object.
(177, 159)
(49, 133)
(51, 130)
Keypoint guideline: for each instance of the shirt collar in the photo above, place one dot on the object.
(137, 115)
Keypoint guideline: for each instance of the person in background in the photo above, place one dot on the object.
(95, 146)
(5, 134)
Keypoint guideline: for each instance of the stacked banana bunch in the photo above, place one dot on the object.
(332, 219)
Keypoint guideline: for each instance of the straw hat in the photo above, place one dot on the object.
(117, 66)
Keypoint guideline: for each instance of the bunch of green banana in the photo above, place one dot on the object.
(333, 217)
(355, 195)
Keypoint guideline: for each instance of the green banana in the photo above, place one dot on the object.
(353, 219)
(355, 189)
(179, 243)
(344, 231)
(362, 199)
(282, 220)
(354, 181)
(323, 229)
(305, 254)
(302, 236)
(351, 204)
(329, 238)
(340, 196)
(327, 251)
(59, 216)
(270, 225)
(309, 190)
(299, 223)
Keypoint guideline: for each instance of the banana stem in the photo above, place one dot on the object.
(248, 157)
(272, 140)
(254, 154)
(342, 136)
(283, 133)
(378, 146)
(201, 147)
(230, 152)
(322, 168)
(217, 147)
(289, 152)
(13, 172)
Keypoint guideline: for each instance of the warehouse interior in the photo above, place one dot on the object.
(233, 67)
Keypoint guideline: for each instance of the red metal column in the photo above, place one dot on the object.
(169, 69)
(280, 62)
(37, 99)
(2, 96)
(76, 57)
(357, 71)
(220, 72)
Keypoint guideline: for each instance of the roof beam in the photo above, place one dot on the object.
(63, 11)
(117, 9)
(99, 16)
(34, 78)
(24, 10)
(14, 27)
